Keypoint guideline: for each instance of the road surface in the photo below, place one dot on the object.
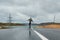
(18, 33)
(51, 34)
(22, 33)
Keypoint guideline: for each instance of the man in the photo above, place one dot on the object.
(30, 20)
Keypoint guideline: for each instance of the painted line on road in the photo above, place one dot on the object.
(40, 35)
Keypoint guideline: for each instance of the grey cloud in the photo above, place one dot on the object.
(52, 6)
(39, 10)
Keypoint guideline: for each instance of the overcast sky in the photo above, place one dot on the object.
(22, 10)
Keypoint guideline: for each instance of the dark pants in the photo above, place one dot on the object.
(29, 25)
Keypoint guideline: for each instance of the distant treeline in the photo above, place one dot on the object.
(11, 24)
(49, 23)
(23, 24)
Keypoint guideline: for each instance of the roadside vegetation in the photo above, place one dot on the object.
(49, 25)
(7, 25)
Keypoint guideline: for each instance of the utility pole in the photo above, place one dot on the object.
(54, 19)
(10, 19)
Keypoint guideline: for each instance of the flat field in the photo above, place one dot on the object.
(50, 26)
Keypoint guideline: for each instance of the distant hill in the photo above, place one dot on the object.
(48, 23)
(12, 24)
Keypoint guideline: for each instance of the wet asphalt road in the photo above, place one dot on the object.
(17, 34)
(51, 34)
(22, 33)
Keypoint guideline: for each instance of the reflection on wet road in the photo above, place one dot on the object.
(19, 33)
(22, 33)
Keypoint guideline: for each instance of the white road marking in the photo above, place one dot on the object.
(40, 35)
